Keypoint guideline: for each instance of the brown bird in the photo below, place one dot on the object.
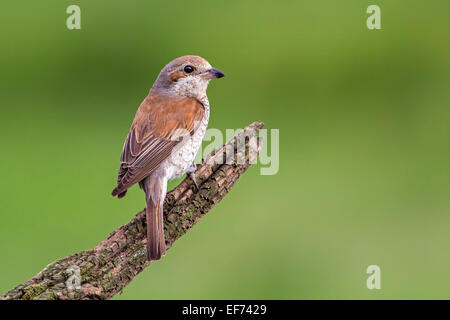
(164, 138)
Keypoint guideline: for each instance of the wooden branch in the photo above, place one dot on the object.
(105, 270)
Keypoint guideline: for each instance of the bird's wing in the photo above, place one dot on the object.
(159, 127)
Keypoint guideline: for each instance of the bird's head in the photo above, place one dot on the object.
(187, 76)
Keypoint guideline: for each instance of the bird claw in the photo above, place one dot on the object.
(192, 176)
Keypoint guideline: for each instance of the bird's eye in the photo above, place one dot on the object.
(188, 69)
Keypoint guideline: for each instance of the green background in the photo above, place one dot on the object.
(364, 142)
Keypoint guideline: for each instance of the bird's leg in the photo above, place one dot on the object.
(191, 173)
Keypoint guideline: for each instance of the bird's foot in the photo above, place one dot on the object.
(191, 173)
(192, 176)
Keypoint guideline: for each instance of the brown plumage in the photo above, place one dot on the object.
(169, 125)
(158, 127)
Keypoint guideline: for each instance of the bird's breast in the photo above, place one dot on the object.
(176, 165)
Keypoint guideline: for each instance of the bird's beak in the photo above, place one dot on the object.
(212, 74)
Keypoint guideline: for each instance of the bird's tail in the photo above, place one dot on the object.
(156, 243)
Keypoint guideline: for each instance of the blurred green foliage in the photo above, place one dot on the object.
(364, 142)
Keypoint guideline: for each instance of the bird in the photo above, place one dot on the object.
(164, 138)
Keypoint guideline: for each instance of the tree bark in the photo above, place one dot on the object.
(105, 270)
